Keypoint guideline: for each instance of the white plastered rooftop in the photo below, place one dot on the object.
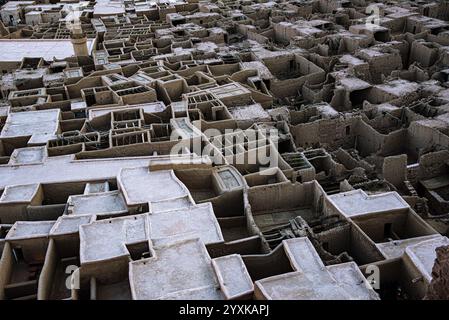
(69, 224)
(262, 70)
(177, 216)
(399, 87)
(395, 249)
(250, 112)
(108, 8)
(41, 125)
(147, 108)
(107, 239)
(162, 227)
(49, 169)
(357, 202)
(312, 280)
(353, 83)
(423, 255)
(184, 270)
(29, 229)
(108, 203)
(14, 50)
(19, 193)
(162, 277)
(195, 222)
(159, 185)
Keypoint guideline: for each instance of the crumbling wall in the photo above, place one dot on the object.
(382, 64)
(423, 138)
(443, 10)
(328, 6)
(394, 143)
(333, 133)
(368, 139)
(439, 287)
(257, 37)
(425, 53)
(283, 32)
(433, 164)
(395, 169)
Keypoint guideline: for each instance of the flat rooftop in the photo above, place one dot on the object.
(14, 50)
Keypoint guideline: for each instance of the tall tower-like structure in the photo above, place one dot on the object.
(79, 41)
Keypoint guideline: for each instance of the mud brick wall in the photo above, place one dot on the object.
(439, 287)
